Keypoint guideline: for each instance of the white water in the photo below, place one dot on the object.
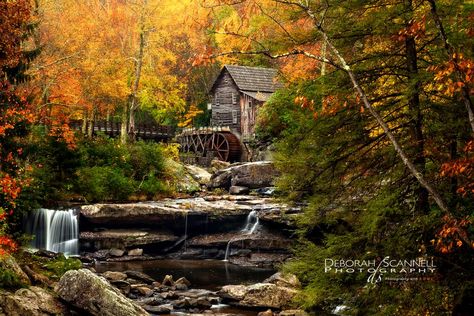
(251, 226)
(53, 230)
(251, 223)
(185, 231)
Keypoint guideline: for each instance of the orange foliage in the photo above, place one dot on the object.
(444, 75)
(13, 17)
(462, 169)
(415, 29)
(453, 235)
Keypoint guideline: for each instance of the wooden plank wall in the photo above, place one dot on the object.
(226, 104)
(248, 107)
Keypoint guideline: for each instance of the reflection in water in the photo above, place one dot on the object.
(204, 274)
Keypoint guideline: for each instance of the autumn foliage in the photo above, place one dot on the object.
(14, 114)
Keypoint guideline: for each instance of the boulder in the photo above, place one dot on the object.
(135, 252)
(116, 252)
(253, 175)
(140, 276)
(265, 295)
(114, 275)
(199, 174)
(284, 279)
(268, 295)
(94, 294)
(238, 190)
(221, 179)
(233, 292)
(9, 263)
(32, 301)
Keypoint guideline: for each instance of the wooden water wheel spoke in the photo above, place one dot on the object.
(220, 146)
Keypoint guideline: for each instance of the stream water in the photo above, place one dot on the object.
(203, 274)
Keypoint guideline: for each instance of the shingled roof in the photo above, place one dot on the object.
(255, 79)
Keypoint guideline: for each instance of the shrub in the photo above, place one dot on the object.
(101, 183)
(60, 265)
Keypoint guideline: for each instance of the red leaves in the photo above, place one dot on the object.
(7, 245)
(13, 17)
(454, 233)
(415, 29)
(448, 84)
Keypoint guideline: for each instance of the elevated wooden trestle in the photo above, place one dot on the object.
(155, 132)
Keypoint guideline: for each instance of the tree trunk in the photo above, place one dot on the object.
(84, 123)
(416, 129)
(123, 126)
(138, 73)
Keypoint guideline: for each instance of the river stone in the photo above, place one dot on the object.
(123, 286)
(145, 291)
(287, 279)
(168, 280)
(94, 294)
(161, 309)
(268, 295)
(184, 281)
(114, 252)
(32, 301)
(135, 252)
(137, 275)
(238, 190)
(293, 312)
(265, 295)
(268, 312)
(114, 275)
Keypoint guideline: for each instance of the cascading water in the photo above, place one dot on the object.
(54, 230)
(251, 223)
(251, 226)
(185, 231)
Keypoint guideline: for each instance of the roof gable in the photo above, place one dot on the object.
(252, 78)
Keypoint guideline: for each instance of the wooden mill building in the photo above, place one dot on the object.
(237, 93)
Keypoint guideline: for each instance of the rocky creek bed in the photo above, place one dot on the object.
(90, 291)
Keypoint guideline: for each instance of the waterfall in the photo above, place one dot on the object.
(251, 223)
(185, 231)
(251, 226)
(54, 230)
(227, 249)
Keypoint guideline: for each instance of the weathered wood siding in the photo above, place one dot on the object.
(248, 108)
(226, 103)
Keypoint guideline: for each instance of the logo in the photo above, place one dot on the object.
(384, 269)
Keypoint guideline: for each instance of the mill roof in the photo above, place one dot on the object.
(256, 79)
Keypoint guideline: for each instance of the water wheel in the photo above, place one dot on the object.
(225, 146)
